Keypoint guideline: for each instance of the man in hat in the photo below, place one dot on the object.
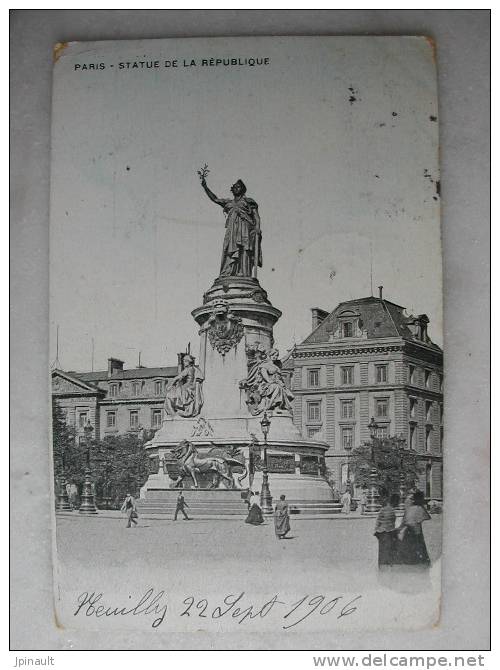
(180, 506)
(130, 510)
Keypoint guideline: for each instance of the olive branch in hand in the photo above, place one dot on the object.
(203, 173)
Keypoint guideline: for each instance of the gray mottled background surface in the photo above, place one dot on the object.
(462, 39)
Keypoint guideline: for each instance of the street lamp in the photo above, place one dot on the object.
(62, 495)
(87, 505)
(266, 501)
(103, 458)
(402, 478)
(373, 504)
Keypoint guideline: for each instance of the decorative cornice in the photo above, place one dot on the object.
(79, 394)
(297, 353)
(424, 393)
(131, 401)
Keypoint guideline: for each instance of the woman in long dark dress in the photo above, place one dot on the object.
(385, 532)
(281, 518)
(412, 549)
(254, 513)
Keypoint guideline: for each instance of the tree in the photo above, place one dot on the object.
(65, 453)
(328, 474)
(120, 466)
(390, 459)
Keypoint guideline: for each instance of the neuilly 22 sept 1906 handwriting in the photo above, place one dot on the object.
(155, 604)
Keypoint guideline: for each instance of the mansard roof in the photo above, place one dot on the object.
(134, 373)
(377, 317)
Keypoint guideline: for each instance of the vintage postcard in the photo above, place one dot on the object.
(246, 335)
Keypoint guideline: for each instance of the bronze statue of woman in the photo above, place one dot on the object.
(241, 252)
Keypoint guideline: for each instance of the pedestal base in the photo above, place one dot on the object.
(305, 494)
(202, 502)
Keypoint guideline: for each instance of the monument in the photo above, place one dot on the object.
(228, 424)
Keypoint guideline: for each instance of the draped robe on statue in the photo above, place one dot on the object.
(238, 251)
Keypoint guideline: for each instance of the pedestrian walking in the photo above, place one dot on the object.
(281, 518)
(254, 512)
(180, 506)
(386, 533)
(363, 501)
(412, 549)
(346, 502)
(130, 510)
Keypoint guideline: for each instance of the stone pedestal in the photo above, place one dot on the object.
(373, 504)
(62, 504)
(236, 322)
(87, 504)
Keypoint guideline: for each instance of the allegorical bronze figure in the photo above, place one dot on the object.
(241, 251)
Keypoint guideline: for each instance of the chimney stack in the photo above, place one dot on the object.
(318, 316)
(114, 365)
(380, 292)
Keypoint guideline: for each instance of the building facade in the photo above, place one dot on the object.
(365, 359)
(114, 401)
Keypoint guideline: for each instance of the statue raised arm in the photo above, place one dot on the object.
(241, 251)
(211, 195)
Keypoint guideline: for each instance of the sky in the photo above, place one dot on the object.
(336, 139)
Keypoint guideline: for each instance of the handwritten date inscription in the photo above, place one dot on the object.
(236, 607)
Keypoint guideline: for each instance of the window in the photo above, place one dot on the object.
(313, 377)
(134, 418)
(441, 412)
(381, 373)
(347, 374)
(82, 442)
(347, 437)
(158, 388)
(411, 374)
(113, 390)
(136, 388)
(427, 375)
(347, 329)
(156, 418)
(428, 438)
(311, 432)
(82, 419)
(428, 411)
(413, 435)
(413, 407)
(347, 409)
(441, 437)
(111, 420)
(382, 407)
(314, 411)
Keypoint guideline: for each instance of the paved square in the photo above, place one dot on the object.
(210, 558)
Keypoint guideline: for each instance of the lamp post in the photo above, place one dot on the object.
(402, 478)
(62, 504)
(87, 505)
(266, 501)
(373, 504)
